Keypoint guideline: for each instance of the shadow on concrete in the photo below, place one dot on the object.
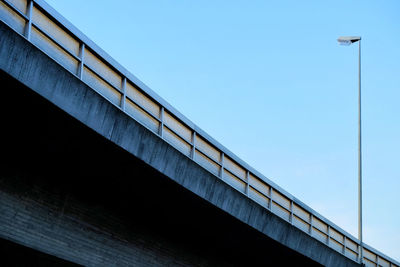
(15, 255)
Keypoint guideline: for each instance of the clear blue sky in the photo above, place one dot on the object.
(268, 80)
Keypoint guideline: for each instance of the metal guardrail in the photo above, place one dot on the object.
(54, 35)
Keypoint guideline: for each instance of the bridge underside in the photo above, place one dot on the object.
(68, 192)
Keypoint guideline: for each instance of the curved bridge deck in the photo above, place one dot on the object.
(41, 51)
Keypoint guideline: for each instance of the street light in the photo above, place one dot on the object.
(348, 40)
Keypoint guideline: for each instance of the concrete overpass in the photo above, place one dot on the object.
(100, 171)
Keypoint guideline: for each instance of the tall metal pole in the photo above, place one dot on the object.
(359, 156)
(348, 40)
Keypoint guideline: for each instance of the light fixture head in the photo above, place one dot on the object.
(348, 40)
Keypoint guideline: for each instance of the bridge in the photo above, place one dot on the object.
(98, 170)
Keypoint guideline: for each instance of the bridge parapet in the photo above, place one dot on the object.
(49, 31)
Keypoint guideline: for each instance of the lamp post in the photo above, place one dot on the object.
(348, 40)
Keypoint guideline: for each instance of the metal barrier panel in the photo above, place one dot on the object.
(177, 141)
(301, 218)
(370, 258)
(59, 40)
(234, 181)
(141, 115)
(207, 162)
(136, 96)
(175, 125)
(234, 168)
(101, 86)
(21, 5)
(207, 149)
(259, 197)
(98, 66)
(55, 32)
(14, 19)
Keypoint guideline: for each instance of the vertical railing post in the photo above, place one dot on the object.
(360, 252)
(82, 57)
(311, 223)
(123, 99)
(221, 172)
(328, 235)
(344, 245)
(291, 212)
(161, 129)
(270, 198)
(193, 152)
(247, 183)
(28, 26)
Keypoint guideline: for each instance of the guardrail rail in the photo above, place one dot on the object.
(54, 35)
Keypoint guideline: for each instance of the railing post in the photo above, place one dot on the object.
(291, 212)
(161, 129)
(123, 99)
(328, 235)
(311, 223)
(360, 253)
(344, 245)
(270, 198)
(28, 26)
(193, 152)
(82, 57)
(247, 183)
(221, 172)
